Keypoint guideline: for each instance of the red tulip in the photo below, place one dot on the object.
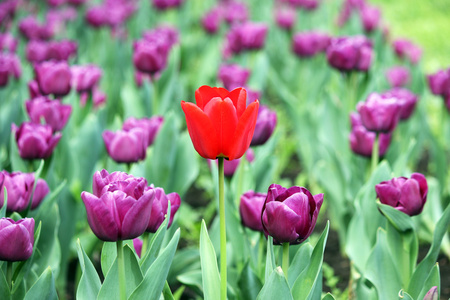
(220, 125)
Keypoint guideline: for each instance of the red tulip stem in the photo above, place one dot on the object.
(223, 234)
(9, 273)
(375, 154)
(121, 268)
(285, 259)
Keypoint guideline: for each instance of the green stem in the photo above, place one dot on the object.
(121, 265)
(9, 273)
(261, 262)
(223, 234)
(375, 149)
(285, 260)
(145, 243)
(154, 98)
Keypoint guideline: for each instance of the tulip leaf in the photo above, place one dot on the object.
(4, 288)
(432, 281)
(300, 262)
(249, 284)
(402, 295)
(5, 203)
(398, 219)
(304, 285)
(152, 285)
(154, 246)
(48, 201)
(110, 287)
(270, 259)
(276, 287)
(424, 268)
(37, 175)
(17, 163)
(210, 271)
(43, 288)
(167, 293)
(328, 296)
(193, 279)
(89, 284)
(108, 256)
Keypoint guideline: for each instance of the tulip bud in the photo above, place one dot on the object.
(432, 294)
(250, 208)
(398, 76)
(439, 82)
(379, 113)
(350, 53)
(52, 112)
(61, 50)
(370, 17)
(235, 12)
(16, 239)
(247, 36)
(160, 206)
(308, 44)
(19, 187)
(233, 76)
(126, 146)
(406, 99)
(361, 141)
(120, 208)
(211, 21)
(285, 17)
(35, 140)
(290, 215)
(150, 57)
(406, 49)
(265, 125)
(406, 195)
(150, 127)
(53, 78)
(85, 78)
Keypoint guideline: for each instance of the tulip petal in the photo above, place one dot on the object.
(244, 131)
(388, 194)
(280, 222)
(299, 203)
(410, 201)
(31, 146)
(136, 219)
(205, 93)
(239, 98)
(54, 140)
(201, 130)
(422, 184)
(21, 248)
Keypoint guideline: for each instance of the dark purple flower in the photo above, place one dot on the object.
(265, 125)
(19, 187)
(406, 195)
(350, 53)
(379, 113)
(246, 36)
(361, 140)
(119, 208)
(233, 76)
(150, 127)
(370, 17)
(53, 112)
(35, 140)
(166, 4)
(9, 66)
(406, 49)
(126, 146)
(406, 99)
(8, 42)
(160, 206)
(211, 20)
(85, 78)
(150, 57)
(53, 78)
(16, 239)
(285, 17)
(439, 82)
(307, 44)
(290, 215)
(250, 208)
(398, 76)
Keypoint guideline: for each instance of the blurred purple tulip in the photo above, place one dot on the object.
(8, 42)
(85, 78)
(35, 141)
(379, 113)
(406, 99)
(404, 48)
(250, 208)
(285, 17)
(439, 82)
(53, 78)
(350, 53)
(16, 239)
(119, 208)
(112, 13)
(307, 44)
(98, 98)
(160, 206)
(398, 76)
(290, 215)
(53, 112)
(233, 76)
(150, 57)
(211, 20)
(97, 16)
(137, 245)
(126, 146)
(370, 17)
(61, 50)
(405, 194)
(246, 36)
(166, 4)
(19, 187)
(150, 127)
(265, 125)
(36, 51)
(31, 29)
(234, 12)
(361, 140)
(9, 66)
(305, 4)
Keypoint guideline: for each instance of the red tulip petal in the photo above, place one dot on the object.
(244, 131)
(203, 134)
(222, 114)
(239, 98)
(205, 93)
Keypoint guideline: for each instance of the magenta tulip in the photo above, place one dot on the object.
(160, 207)
(233, 76)
(53, 112)
(398, 76)
(379, 113)
(16, 239)
(405, 98)
(150, 127)
(250, 208)
(350, 53)
(265, 125)
(308, 44)
(126, 146)
(53, 78)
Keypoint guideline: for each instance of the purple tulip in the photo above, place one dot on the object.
(166, 4)
(61, 50)
(307, 44)
(53, 112)
(370, 17)
(36, 51)
(305, 4)
(235, 12)
(137, 245)
(164, 35)
(265, 125)
(150, 57)
(285, 17)
(53, 78)
(19, 187)
(16, 239)
(85, 78)
(233, 76)
(246, 36)
(290, 215)
(8, 42)
(350, 53)
(406, 195)
(406, 49)
(110, 13)
(119, 208)
(361, 140)
(9, 66)
(160, 206)
(98, 98)
(439, 82)
(432, 294)
(126, 146)
(150, 127)
(35, 141)
(250, 208)
(398, 76)
(406, 99)
(379, 113)
(33, 30)
(211, 20)
(97, 16)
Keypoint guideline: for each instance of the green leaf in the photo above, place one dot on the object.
(43, 288)
(432, 280)
(89, 284)
(276, 287)
(402, 295)
(154, 246)
(304, 285)
(108, 256)
(167, 293)
(110, 287)
(193, 279)
(270, 259)
(249, 284)
(155, 278)
(424, 268)
(300, 262)
(210, 271)
(48, 201)
(328, 296)
(398, 219)
(17, 163)
(4, 288)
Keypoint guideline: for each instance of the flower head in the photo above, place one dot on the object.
(16, 239)
(250, 208)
